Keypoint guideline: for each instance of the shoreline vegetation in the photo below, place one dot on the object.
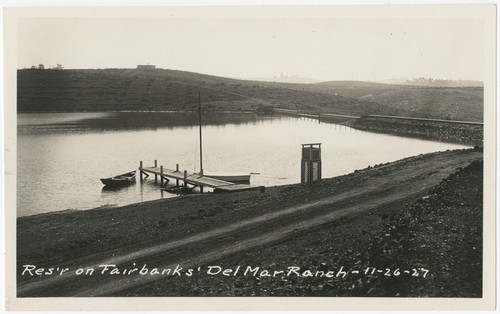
(421, 214)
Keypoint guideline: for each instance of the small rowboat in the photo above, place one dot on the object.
(229, 176)
(122, 179)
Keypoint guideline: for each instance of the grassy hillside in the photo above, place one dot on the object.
(455, 103)
(131, 89)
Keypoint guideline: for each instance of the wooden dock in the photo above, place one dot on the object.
(194, 179)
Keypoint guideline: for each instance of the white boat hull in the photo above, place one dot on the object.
(229, 177)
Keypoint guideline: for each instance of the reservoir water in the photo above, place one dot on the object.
(61, 156)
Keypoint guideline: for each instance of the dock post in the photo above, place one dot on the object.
(156, 176)
(201, 175)
(140, 169)
(185, 177)
(161, 175)
(177, 170)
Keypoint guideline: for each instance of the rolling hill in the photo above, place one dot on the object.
(161, 89)
(454, 103)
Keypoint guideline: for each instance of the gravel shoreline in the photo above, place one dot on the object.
(468, 134)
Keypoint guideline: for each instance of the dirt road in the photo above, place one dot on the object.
(377, 187)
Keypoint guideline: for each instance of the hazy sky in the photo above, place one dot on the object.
(261, 47)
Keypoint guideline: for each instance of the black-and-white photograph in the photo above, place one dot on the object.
(250, 151)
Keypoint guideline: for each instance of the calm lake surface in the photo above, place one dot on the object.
(62, 156)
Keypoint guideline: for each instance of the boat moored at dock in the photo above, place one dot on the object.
(229, 176)
(120, 180)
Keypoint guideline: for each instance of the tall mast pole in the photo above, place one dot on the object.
(201, 141)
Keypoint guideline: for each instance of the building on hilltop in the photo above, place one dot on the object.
(146, 67)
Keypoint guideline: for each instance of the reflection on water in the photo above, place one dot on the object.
(117, 188)
(123, 121)
(61, 157)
